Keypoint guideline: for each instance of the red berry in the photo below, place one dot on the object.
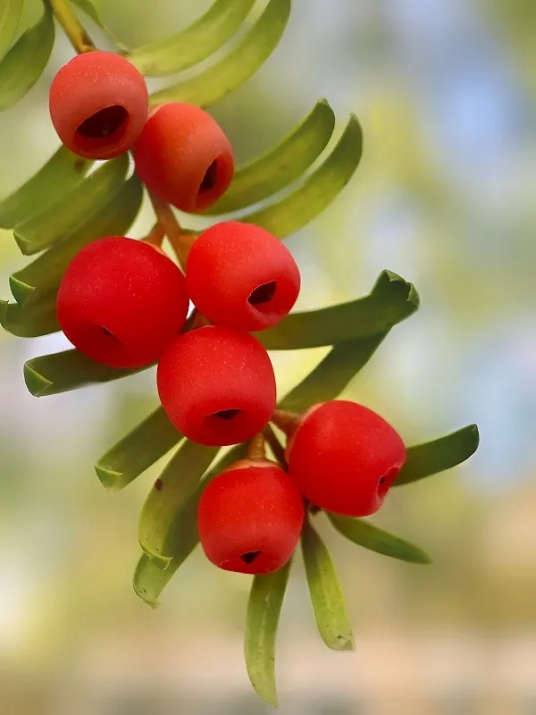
(241, 276)
(250, 518)
(217, 385)
(184, 157)
(344, 457)
(121, 302)
(98, 104)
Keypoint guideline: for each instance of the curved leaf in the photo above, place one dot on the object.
(281, 165)
(317, 191)
(239, 65)
(89, 7)
(391, 300)
(44, 274)
(150, 580)
(137, 451)
(364, 534)
(264, 608)
(73, 210)
(26, 60)
(10, 13)
(68, 370)
(423, 460)
(164, 505)
(30, 322)
(326, 594)
(58, 176)
(194, 44)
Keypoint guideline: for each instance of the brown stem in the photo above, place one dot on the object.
(75, 31)
(181, 241)
(257, 448)
(155, 235)
(286, 421)
(275, 446)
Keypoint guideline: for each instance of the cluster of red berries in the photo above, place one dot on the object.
(124, 303)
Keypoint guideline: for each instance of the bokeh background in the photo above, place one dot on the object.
(445, 196)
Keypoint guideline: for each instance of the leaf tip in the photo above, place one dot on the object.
(36, 383)
(109, 478)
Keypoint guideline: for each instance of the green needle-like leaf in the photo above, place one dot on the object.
(73, 210)
(239, 65)
(44, 274)
(10, 13)
(89, 7)
(423, 460)
(32, 321)
(150, 580)
(371, 537)
(58, 176)
(264, 608)
(326, 594)
(26, 60)
(194, 44)
(135, 453)
(317, 191)
(391, 300)
(281, 165)
(68, 370)
(156, 531)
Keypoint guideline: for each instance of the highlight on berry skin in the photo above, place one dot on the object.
(241, 276)
(250, 518)
(121, 302)
(184, 157)
(217, 385)
(98, 104)
(344, 457)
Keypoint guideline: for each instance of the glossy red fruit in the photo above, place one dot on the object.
(345, 457)
(241, 276)
(121, 302)
(250, 518)
(184, 157)
(98, 104)
(217, 385)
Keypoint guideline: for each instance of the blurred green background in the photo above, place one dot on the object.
(446, 92)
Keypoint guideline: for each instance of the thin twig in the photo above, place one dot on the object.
(275, 446)
(73, 28)
(180, 240)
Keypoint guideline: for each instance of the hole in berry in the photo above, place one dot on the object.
(250, 556)
(263, 294)
(103, 123)
(226, 414)
(210, 179)
(387, 479)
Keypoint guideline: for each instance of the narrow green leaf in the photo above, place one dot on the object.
(391, 300)
(10, 13)
(89, 7)
(58, 176)
(30, 322)
(135, 453)
(281, 165)
(157, 532)
(44, 274)
(72, 211)
(317, 190)
(371, 537)
(326, 594)
(326, 381)
(423, 460)
(194, 44)
(26, 60)
(239, 65)
(264, 609)
(68, 370)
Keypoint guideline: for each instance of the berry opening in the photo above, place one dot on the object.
(385, 482)
(103, 123)
(226, 415)
(210, 179)
(250, 556)
(263, 294)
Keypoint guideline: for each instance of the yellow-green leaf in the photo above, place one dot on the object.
(10, 12)
(326, 594)
(58, 176)
(89, 7)
(237, 66)
(281, 165)
(264, 609)
(194, 44)
(26, 60)
(32, 321)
